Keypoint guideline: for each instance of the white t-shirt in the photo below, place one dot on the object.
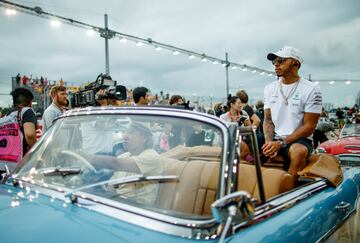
(306, 97)
(96, 139)
(149, 163)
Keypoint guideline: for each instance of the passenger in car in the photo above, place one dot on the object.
(292, 109)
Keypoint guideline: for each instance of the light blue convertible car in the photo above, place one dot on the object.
(130, 174)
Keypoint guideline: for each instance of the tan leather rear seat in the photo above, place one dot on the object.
(275, 181)
(196, 189)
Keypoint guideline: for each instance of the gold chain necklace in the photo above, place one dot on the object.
(286, 98)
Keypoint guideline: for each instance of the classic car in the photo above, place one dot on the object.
(346, 147)
(149, 174)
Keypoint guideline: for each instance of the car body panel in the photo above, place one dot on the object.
(308, 219)
(26, 217)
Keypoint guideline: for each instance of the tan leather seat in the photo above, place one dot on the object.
(275, 181)
(196, 189)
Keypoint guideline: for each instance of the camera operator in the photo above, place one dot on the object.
(97, 136)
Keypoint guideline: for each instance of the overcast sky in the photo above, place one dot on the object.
(327, 33)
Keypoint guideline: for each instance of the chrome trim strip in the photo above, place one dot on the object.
(284, 201)
(192, 229)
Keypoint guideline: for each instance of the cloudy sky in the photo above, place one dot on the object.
(327, 33)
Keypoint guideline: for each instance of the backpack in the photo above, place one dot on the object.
(11, 139)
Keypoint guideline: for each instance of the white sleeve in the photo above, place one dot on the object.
(313, 103)
(267, 95)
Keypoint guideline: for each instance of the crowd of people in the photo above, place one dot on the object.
(285, 121)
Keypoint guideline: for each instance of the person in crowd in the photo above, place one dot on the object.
(141, 96)
(292, 106)
(22, 98)
(219, 109)
(244, 98)
(320, 133)
(260, 113)
(235, 114)
(254, 119)
(176, 100)
(95, 134)
(59, 97)
(357, 118)
(340, 116)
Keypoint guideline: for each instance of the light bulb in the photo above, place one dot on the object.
(55, 23)
(10, 11)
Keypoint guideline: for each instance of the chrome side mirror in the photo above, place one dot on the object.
(235, 208)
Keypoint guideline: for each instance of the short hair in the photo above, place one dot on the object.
(231, 100)
(259, 104)
(244, 98)
(175, 99)
(139, 92)
(22, 97)
(56, 89)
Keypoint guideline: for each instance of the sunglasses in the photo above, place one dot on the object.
(279, 60)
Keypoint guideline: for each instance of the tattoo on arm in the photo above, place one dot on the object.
(269, 127)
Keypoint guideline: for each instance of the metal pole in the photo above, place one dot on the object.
(107, 68)
(227, 75)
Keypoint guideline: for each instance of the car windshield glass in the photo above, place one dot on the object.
(350, 130)
(176, 161)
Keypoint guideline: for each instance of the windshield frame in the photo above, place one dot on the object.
(200, 117)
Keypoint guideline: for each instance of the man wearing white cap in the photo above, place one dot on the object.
(292, 106)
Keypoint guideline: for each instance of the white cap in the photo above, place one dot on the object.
(286, 52)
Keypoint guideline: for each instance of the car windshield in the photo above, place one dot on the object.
(350, 130)
(165, 164)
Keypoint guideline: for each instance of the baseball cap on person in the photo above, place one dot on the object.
(286, 52)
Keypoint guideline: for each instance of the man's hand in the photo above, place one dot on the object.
(100, 97)
(270, 149)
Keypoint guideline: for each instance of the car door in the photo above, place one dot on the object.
(308, 213)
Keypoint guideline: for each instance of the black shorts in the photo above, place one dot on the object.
(284, 152)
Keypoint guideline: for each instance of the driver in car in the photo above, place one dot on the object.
(139, 158)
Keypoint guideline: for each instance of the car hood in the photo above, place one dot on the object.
(30, 217)
(342, 145)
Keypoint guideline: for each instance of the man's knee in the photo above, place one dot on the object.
(298, 151)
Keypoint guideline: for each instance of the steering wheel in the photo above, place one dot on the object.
(79, 158)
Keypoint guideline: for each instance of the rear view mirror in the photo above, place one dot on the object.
(236, 207)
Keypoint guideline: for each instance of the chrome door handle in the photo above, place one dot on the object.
(343, 207)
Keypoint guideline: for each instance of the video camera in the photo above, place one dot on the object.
(89, 95)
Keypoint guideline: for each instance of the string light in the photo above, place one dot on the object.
(90, 32)
(107, 33)
(348, 82)
(123, 40)
(55, 23)
(332, 82)
(10, 12)
(253, 71)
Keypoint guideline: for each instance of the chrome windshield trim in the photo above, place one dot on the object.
(165, 112)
